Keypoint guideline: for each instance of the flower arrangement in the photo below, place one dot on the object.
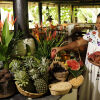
(46, 39)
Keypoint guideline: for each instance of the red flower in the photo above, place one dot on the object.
(94, 32)
(73, 64)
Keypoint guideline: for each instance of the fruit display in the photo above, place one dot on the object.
(95, 58)
(30, 73)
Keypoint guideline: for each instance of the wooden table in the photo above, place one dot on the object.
(70, 96)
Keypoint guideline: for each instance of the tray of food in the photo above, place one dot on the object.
(94, 58)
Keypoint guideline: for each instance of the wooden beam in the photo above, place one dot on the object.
(59, 18)
(20, 8)
(73, 2)
(40, 12)
(72, 17)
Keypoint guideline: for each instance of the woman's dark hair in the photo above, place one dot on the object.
(98, 15)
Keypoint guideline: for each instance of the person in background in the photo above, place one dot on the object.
(90, 90)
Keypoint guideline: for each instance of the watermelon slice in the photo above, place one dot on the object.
(73, 64)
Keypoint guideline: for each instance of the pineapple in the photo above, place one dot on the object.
(40, 85)
(28, 62)
(14, 65)
(45, 76)
(34, 73)
(22, 79)
(43, 66)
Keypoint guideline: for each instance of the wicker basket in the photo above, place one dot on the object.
(76, 82)
(28, 94)
(7, 89)
(61, 76)
(60, 88)
(7, 95)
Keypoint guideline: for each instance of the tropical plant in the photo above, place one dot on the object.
(46, 39)
(6, 37)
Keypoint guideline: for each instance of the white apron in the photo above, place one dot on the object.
(90, 90)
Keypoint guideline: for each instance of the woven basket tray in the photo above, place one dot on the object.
(60, 88)
(28, 94)
(76, 82)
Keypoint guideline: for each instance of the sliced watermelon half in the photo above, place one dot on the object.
(73, 64)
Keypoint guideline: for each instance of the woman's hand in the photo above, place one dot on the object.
(54, 51)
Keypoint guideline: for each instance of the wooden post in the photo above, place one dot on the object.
(72, 14)
(40, 12)
(20, 8)
(59, 18)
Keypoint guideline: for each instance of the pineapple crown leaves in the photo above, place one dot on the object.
(34, 73)
(21, 78)
(43, 65)
(30, 62)
(14, 65)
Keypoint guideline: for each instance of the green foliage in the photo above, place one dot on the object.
(14, 65)
(44, 47)
(6, 38)
(34, 15)
(34, 73)
(53, 11)
(87, 15)
(76, 73)
(65, 14)
(8, 9)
